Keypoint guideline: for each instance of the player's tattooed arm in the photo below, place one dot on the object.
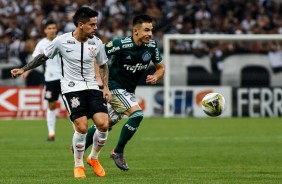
(35, 62)
(104, 73)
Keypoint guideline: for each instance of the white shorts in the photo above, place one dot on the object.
(122, 100)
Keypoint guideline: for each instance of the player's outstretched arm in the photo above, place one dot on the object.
(37, 61)
(159, 73)
(25, 74)
(104, 73)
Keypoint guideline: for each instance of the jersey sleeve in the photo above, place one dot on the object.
(101, 57)
(53, 48)
(113, 47)
(39, 49)
(157, 55)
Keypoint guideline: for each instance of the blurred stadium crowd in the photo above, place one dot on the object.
(21, 22)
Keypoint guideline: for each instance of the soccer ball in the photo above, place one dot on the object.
(213, 104)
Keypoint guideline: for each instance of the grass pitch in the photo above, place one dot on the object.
(163, 151)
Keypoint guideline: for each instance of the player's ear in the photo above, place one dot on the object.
(135, 31)
(80, 25)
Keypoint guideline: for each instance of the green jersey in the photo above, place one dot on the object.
(129, 62)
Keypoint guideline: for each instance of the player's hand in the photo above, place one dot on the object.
(16, 72)
(25, 74)
(107, 94)
(151, 79)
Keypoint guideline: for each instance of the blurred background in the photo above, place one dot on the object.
(247, 73)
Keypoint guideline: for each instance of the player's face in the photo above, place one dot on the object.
(51, 31)
(144, 32)
(90, 27)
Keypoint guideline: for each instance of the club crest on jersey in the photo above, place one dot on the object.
(146, 56)
(70, 42)
(92, 52)
(74, 102)
(71, 84)
(109, 44)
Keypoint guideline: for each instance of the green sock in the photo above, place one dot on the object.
(128, 130)
(89, 136)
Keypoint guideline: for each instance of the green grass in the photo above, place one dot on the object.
(163, 151)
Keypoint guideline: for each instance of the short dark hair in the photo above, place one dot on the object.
(83, 14)
(49, 22)
(140, 19)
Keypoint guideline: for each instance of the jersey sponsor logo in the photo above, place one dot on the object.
(130, 127)
(71, 84)
(127, 45)
(92, 52)
(91, 43)
(113, 49)
(126, 40)
(151, 43)
(136, 67)
(75, 102)
(70, 42)
(68, 50)
(146, 56)
(109, 44)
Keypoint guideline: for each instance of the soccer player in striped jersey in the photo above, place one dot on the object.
(80, 91)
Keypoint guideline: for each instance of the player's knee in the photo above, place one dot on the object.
(52, 108)
(81, 127)
(52, 105)
(82, 130)
(103, 126)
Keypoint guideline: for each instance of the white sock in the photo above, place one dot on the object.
(99, 140)
(78, 144)
(51, 121)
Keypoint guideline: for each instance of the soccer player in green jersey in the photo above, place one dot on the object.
(131, 57)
